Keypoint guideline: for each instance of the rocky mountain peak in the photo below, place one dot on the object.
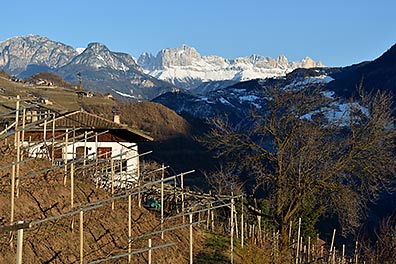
(147, 61)
(18, 52)
(282, 61)
(97, 56)
(182, 56)
(97, 47)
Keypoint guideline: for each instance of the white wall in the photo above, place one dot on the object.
(126, 150)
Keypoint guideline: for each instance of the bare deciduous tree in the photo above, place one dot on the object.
(225, 180)
(309, 159)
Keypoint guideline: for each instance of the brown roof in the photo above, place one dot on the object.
(87, 121)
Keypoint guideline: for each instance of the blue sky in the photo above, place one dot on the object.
(337, 32)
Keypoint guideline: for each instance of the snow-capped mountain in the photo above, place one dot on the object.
(186, 68)
(100, 69)
(339, 84)
(106, 71)
(97, 56)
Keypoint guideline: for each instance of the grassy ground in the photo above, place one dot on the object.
(216, 250)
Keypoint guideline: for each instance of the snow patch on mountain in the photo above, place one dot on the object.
(80, 50)
(301, 83)
(337, 112)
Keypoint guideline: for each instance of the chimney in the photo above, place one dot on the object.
(116, 119)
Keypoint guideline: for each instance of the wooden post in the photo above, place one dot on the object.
(12, 194)
(162, 200)
(129, 227)
(232, 230)
(356, 252)
(121, 173)
(139, 195)
(18, 154)
(309, 250)
(343, 254)
(212, 219)
(19, 245)
(208, 217)
(301, 250)
(85, 150)
(17, 140)
(332, 245)
(65, 155)
(23, 124)
(298, 240)
(236, 224)
(112, 181)
(16, 117)
(96, 163)
(149, 252)
(53, 139)
(72, 192)
(191, 239)
(259, 228)
(138, 180)
(182, 195)
(81, 237)
(175, 195)
(45, 132)
(72, 185)
(242, 224)
(333, 256)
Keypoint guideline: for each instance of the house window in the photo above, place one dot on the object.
(120, 164)
(80, 152)
(104, 152)
(58, 153)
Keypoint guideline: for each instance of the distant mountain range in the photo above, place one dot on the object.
(118, 73)
(237, 100)
(100, 69)
(186, 68)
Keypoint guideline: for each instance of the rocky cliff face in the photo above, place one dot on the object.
(19, 52)
(185, 67)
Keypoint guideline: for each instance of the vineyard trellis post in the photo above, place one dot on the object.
(182, 195)
(242, 224)
(149, 251)
(332, 245)
(298, 240)
(19, 244)
(65, 155)
(162, 199)
(232, 229)
(129, 226)
(81, 237)
(72, 192)
(17, 141)
(191, 239)
(112, 180)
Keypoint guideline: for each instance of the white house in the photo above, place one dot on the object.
(82, 136)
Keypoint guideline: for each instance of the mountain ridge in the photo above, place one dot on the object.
(100, 69)
(186, 67)
(119, 73)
